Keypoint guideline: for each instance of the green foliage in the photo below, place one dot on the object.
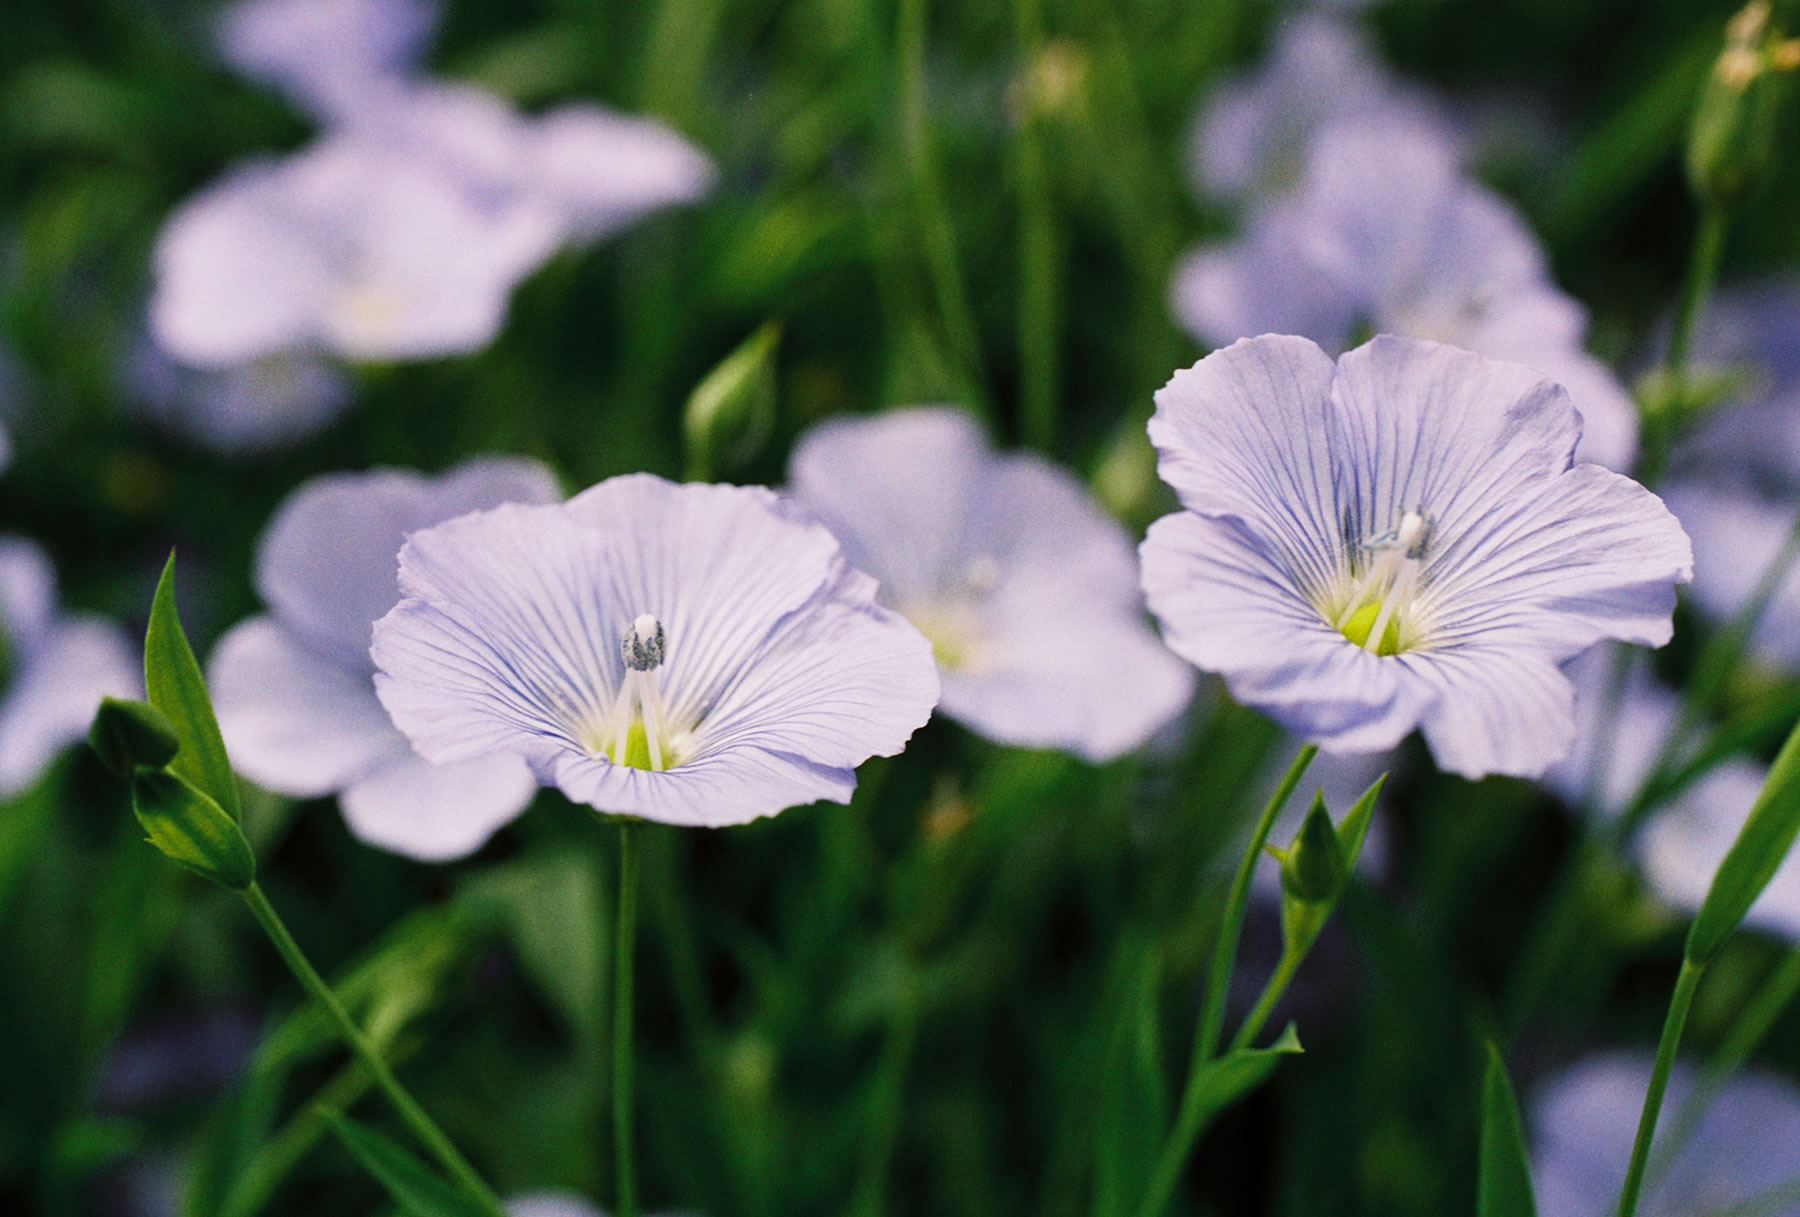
(176, 688)
(132, 734)
(191, 829)
(1503, 1184)
(1761, 844)
(408, 1182)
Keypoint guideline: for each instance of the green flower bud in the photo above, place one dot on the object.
(730, 413)
(1731, 149)
(190, 828)
(130, 735)
(1313, 867)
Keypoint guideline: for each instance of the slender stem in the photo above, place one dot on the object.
(421, 1124)
(889, 1094)
(1218, 980)
(1679, 1004)
(1038, 286)
(1703, 269)
(1192, 1117)
(1292, 957)
(939, 236)
(626, 926)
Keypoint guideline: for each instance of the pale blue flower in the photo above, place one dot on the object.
(1026, 588)
(54, 667)
(1443, 259)
(698, 655)
(1398, 539)
(403, 235)
(245, 408)
(1253, 133)
(557, 1204)
(1583, 1122)
(294, 688)
(333, 57)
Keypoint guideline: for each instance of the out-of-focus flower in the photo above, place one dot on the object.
(1027, 590)
(1619, 733)
(1252, 135)
(1738, 534)
(1742, 1150)
(403, 235)
(557, 1204)
(336, 58)
(698, 655)
(54, 667)
(1444, 259)
(242, 408)
(294, 689)
(1398, 540)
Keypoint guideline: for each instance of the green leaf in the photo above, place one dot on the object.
(190, 828)
(1226, 1079)
(1503, 1180)
(1355, 827)
(1753, 858)
(411, 1185)
(552, 910)
(1133, 1106)
(130, 734)
(173, 682)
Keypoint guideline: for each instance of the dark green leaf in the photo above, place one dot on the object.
(1503, 1183)
(1229, 1078)
(1753, 858)
(173, 682)
(409, 1182)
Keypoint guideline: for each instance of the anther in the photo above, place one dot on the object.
(642, 645)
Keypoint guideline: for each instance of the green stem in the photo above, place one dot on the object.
(421, 1124)
(1679, 1004)
(934, 218)
(1292, 956)
(1702, 272)
(1191, 1119)
(1038, 287)
(890, 1084)
(1218, 980)
(626, 925)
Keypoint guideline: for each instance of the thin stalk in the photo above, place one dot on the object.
(408, 1109)
(937, 233)
(1039, 291)
(625, 1177)
(1702, 272)
(1680, 1002)
(1191, 1119)
(1291, 958)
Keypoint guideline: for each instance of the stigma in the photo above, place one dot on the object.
(1378, 611)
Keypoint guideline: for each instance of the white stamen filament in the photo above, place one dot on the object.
(640, 695)
(1396, 564)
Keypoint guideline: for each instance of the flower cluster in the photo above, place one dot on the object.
(1339, 252)
(401, 232)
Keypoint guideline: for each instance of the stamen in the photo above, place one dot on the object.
(637, 724)
(642, 646)
(1392, 574)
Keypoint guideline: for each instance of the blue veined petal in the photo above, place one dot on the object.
(435, 813)
(779, 675)
(896, 490)
(1227, 606)
(1027, 589)
(1494, 709)
(294, 720)
(327, 563)
(1247, 433)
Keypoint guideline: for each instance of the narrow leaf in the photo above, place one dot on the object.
(174, 686)
(1224, 1081)
(1503, 1179)
(1753, 858)
(409, 1182)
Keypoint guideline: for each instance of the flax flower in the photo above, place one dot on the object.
(54, 667)
(698, 655)
(1738, 1158)
(1027, 590)
(1398, 539)
(294, 688)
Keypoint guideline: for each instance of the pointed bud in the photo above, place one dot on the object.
(191, 829)
(130, 735)
(730, 413)
(1732, 148)
(1313, 868)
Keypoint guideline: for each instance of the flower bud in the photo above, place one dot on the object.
(1313, 867)
(132, 735)
(191, 829)
(1731, 149)
(730, 413)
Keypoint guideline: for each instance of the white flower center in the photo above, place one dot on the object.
(1377, 608)
(639, 731)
